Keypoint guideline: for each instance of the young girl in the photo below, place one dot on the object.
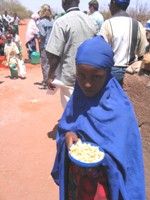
(14, 58)
(100, 112)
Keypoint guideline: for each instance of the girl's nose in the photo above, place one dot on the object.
(87, 84)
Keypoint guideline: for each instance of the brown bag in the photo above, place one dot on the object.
(146, 62)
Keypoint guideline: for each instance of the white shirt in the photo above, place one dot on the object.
(7, 18)
(117, 31)
(68, 32)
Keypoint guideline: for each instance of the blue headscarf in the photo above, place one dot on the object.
(108, 120)
(95, 52)
(147, 25)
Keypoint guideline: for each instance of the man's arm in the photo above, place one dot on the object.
(53, 62)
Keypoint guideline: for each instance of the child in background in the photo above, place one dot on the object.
(16, 38)
(14, 58)
(13, 65)
(9, 47)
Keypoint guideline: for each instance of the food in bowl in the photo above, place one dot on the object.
(86, 152)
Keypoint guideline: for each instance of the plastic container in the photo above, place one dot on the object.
(13, 71)
(35, 58)
(87, 165)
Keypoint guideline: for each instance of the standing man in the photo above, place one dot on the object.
(68, 32)
(125, 35)
(95, 14)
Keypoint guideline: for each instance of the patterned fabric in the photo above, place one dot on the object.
(104, 119)
(44, 65)
(87, 183)
(45, 26)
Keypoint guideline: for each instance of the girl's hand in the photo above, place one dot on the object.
(70, 138)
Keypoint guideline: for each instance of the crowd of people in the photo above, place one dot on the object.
(11, 46)
(87, 58)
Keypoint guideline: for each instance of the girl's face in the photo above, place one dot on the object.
(91, 80)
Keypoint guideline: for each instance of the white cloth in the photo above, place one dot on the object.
(65, 92)
(117, 31)
(134, 67)
(21, 68)
(10, 47)
(32, 30)
(7, 18)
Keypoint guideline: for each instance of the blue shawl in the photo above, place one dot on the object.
(108, 120)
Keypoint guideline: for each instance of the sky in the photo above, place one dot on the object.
(34, 5)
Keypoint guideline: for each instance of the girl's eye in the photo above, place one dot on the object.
(96, 77)
(81, 76)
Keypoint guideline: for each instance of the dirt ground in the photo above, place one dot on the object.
(139, 93)
(27, 114)
(26, 153)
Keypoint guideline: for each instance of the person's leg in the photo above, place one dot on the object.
(118, 73)
(29, 50)
(65, 94)
(84, 184)
(45, 67)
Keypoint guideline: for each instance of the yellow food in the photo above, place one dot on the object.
(86, 153)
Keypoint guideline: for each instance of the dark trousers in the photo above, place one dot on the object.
(118, 72)
(44, 65)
